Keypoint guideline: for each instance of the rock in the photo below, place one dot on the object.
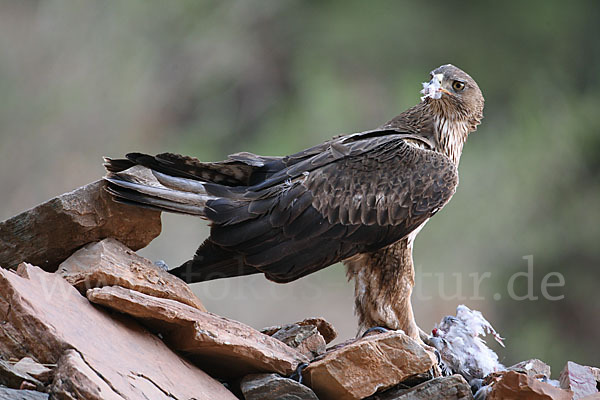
(109, 262)
(294, 334)
(74, 379)
(14, 378)
(515, 385)
(325, 328)
(313, 346)
(444, 388)
(368, 365)
(47, 234)
(306, 336)
(33, 368)
(221, 346)
(44, 317)
(306, 339)
(533, 367)
(579, 379)
(274, 387)
(14, 394)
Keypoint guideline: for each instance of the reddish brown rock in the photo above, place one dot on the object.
(47, 234)
(313, 346)
(533, 367)
(515, 385)
(44, 317)
(74, 379)
(221, 346)
(325, 328)
(110, 263)
(366, 366)
(578, 379)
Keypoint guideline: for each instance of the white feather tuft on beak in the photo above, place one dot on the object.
(432, 88)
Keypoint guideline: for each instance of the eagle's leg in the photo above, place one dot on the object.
(384, 281)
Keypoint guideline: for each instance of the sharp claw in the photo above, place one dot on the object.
(438, 355)
(161, 264)
(297, 374)
(379, 329)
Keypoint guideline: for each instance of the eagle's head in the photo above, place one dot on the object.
(454, 95)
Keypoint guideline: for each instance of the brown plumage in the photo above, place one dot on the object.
(358, 198)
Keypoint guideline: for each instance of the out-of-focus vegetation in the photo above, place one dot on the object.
(79, 80)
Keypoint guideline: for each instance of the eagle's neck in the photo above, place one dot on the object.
(452, 123)
(444, 124)
(451, 134)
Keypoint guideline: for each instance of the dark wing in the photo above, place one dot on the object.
(351, 195)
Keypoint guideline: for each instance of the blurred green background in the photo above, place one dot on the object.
(83, 79)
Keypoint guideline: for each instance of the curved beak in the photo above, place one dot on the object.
(433, 89)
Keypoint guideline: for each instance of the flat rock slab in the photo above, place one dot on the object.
(44, 317)
(74, 379)
(368, 365)
(533, 367)
(49, 233)
(274, 387)
(13, 377)
(222, 347)
(579, 379)
(109, 263)
(515, 385)
(31, 367)
(13, 394)
(453, 387)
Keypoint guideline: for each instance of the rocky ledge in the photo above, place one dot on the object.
(84, 317)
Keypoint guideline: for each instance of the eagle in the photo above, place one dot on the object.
(360, 199)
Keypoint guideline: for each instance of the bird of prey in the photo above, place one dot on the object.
(359, 198)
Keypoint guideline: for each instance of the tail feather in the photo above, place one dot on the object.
(140, 185)
(127, 196)
(117, 164)
(182, 184)
(229, 172)
(162, 192)
(214, 191)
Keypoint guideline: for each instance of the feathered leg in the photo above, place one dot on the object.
(384, 281)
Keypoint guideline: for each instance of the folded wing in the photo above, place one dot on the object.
(288, 217)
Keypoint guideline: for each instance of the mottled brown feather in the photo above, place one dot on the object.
(360, 197)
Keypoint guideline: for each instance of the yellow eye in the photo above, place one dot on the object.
(458, 86)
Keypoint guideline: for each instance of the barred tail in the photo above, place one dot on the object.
(145, 187)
